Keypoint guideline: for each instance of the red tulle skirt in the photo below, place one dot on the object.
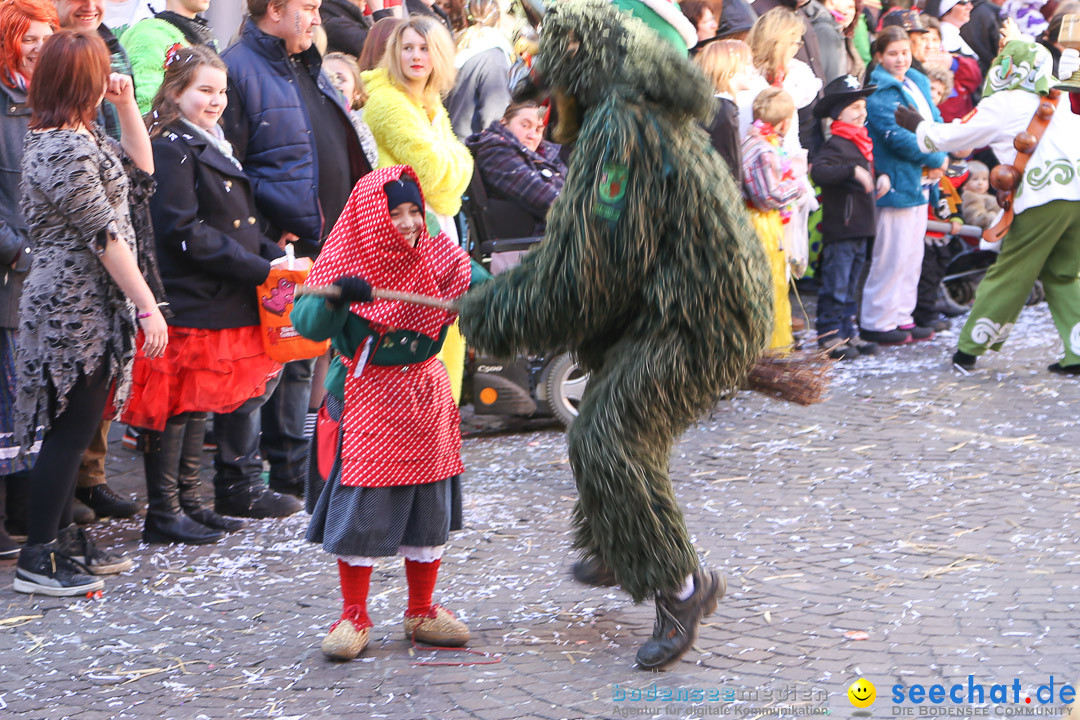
(201, 371)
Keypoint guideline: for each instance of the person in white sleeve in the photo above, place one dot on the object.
(1043, 241)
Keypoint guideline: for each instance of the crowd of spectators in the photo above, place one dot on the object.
(931, 56)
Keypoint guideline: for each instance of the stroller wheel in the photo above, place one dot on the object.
(564, 384)
(947, 306)
(962, 291)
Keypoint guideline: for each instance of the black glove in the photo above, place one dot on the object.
(353, 289)
(907, 118)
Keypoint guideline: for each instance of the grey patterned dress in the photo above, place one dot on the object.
(73, 317)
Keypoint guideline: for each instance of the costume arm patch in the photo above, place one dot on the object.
(611, 191)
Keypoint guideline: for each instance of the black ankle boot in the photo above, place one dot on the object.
(251, 499)
(104, 501)
(165, 522)
(677, 621)
(191, 500)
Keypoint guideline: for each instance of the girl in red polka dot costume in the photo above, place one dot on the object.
(388, 441)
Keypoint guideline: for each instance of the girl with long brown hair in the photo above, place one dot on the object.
(212, 256)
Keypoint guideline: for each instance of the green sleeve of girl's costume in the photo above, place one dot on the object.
(316, 320)
(862, 39)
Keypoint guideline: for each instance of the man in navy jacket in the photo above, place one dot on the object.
(291, 130)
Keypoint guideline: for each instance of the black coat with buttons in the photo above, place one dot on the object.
(211, 251)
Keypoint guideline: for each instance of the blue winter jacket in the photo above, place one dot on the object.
(268, 125)
(896, 151)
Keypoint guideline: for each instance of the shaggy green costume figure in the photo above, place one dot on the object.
(650, 274)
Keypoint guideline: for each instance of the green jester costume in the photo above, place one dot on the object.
(651, 275)
(1043, 241)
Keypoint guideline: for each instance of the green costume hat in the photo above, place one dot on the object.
(1021, 65)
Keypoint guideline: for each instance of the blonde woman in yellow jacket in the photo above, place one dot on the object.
(411, 127)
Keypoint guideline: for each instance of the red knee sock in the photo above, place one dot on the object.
(355, 581)
(421, 578)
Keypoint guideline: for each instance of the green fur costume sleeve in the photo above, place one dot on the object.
(588, 290)
(649, 273)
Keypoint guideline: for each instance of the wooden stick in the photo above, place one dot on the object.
(333, 292)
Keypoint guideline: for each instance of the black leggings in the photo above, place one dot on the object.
(52, 481)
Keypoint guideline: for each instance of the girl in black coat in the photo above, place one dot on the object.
(212, 257)
(844, 169)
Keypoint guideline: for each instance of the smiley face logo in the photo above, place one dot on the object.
(862, 693)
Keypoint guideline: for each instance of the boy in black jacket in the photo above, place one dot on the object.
(844, 169)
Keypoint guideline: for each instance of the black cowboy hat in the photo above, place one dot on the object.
(840, 93)
(907, 19)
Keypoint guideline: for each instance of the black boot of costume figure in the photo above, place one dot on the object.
(165, 522)
(677, 621)
(191, 498)
(593, 572)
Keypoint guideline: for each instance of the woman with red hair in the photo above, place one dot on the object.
(83, 299)
(24, 27)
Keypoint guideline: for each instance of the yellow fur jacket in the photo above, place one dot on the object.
(406, 135)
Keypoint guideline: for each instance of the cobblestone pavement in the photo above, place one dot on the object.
(919, 526)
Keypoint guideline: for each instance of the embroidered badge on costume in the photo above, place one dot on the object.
(612, 191)
(613, 183)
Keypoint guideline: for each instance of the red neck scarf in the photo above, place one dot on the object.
(857, 135)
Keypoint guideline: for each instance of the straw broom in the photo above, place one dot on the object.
(800, 377)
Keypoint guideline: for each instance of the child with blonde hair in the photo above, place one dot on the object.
(729, 65)
(772, 190)
(979, 206)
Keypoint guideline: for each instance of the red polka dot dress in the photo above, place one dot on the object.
(394, 479)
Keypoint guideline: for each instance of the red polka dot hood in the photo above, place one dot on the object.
(365, 243)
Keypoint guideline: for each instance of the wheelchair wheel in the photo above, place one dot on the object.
(962, 291)
(564, 384)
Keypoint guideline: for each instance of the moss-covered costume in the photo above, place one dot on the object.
(649, 273)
